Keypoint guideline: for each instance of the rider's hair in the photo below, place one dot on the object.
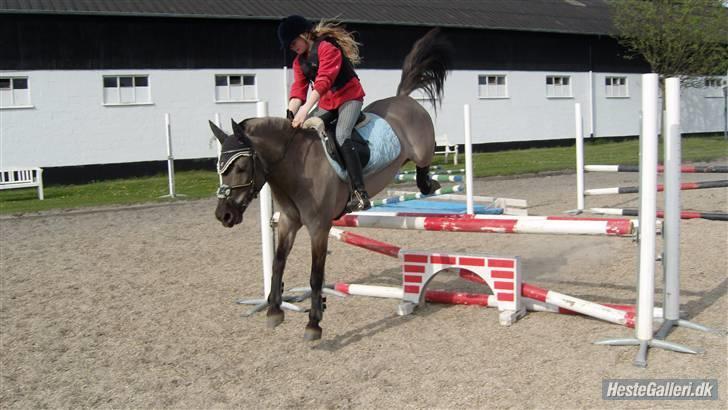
(345, 39)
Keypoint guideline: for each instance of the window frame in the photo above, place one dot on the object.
(714, 91)
(561, 77)
(488, 86)
(242, 87)
(118, 88)
(14, 106)
(612, 86)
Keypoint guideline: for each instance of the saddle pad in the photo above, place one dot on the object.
(383, 143)
(436, 207)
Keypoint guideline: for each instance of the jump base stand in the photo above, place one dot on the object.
(502, 274)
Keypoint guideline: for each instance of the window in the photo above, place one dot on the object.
(235, 87)
(616, 87)
(714, 87)
(127, 89)
(492, 86)
(14, 92)
(558, 86)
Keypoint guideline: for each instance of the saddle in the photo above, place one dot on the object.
(332, 146)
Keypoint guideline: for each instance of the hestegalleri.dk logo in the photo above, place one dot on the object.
(660, 389)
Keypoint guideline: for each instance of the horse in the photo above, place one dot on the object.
(306, 188)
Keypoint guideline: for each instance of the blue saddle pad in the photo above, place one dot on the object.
(435, 207)
(383, 143)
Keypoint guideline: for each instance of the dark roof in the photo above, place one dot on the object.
(564, 16)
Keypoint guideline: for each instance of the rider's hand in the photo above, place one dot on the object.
(289, 115)
(299, 118)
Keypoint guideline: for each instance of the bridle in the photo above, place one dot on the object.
(225, 191)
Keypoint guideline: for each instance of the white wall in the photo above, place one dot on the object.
(69, 125)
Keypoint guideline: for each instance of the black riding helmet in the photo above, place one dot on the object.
(291, 27)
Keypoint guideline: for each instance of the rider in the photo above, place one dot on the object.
(335, 86)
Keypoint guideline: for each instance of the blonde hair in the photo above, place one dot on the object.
(345, 39)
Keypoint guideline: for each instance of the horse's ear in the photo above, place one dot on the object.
(239, 132)
(219, 134)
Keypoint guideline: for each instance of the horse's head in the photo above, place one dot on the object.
(242, 174)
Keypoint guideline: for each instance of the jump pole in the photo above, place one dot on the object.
(219, 145)
(467, 298)
(468, 162)
(713, 216)
(416, 195)
(685, 169)
(634, 190)
(647, 230)
(266, 214)
(434, 177)
(493, 224)
(579, 158)
(170, 157)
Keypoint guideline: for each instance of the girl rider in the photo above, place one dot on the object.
(335, 86)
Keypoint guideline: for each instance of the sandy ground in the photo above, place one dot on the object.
(135, 308)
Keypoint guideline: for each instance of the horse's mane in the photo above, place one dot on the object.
(276, 127)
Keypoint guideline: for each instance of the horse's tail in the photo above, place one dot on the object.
(426, 66)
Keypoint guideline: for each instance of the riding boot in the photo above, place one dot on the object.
(359, 198)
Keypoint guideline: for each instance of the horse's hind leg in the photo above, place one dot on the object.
(319, 246)
(426, 184)
(287, 230)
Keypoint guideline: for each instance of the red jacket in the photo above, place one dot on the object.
(329, 65)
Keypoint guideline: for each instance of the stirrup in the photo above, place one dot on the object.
(359, 201)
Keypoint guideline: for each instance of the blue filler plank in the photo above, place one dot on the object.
(436, 207)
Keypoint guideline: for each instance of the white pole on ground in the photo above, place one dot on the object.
(468, 162)
(170, 157)
(266, 213)
(671, 222)
(579, 158)
(647, 230)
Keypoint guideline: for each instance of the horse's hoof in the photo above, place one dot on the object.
(312, 334)
(434, 187)
(274, 320)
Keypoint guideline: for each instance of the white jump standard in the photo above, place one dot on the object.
(648, 217)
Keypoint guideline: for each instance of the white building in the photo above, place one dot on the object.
(92, 86)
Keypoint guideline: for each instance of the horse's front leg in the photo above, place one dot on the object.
(287, 230)
(319, 246)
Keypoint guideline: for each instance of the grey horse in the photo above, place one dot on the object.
(306, 188)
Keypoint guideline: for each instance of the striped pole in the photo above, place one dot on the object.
(634, 190)
(417, 195)
(434, 177)
(466, 298)
(366, 243)
(492, 224)
(685, 169)
(713, 216)
(582, 306)
(436, 169)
